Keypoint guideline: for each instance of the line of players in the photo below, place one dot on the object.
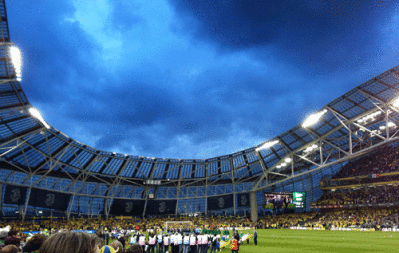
(177, 242)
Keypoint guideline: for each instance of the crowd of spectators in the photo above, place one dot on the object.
(98, 223)
(376, 218)
(383, 160)
(371, 180)
(361, 196)
(287, 220)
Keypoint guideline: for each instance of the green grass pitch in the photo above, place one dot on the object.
(288, 241)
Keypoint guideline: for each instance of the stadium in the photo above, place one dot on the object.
(336, 171)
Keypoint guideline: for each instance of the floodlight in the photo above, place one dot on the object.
(278, 166)
(16, 60)
(396, 103)
(312, 119)
(284, 164)
(267, 145)
(36, 114)
(391, 124)
(288, 160)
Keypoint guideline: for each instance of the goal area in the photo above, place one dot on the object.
(178, 224)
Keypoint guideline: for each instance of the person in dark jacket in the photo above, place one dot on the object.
(122, 240)
(106, 236)
(255, 237)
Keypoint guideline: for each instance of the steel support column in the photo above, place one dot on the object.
(254, 206)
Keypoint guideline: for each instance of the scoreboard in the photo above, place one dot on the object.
(298, 199)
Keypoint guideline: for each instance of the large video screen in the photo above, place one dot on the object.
(278, 200)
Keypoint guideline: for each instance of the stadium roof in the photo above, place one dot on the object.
(351, 125)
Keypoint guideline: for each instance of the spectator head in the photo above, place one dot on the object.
(12, 241)
(99, 242)
(67, 242)
(12, 232)
(9, 249)
(21, 235)
(34, 243)
(117, 245)
(135, 248)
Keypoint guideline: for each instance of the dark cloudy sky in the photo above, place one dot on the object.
(195, 79)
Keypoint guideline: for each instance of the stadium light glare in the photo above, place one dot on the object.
(310, 148)
(371, 117)
(313, 119)
(288, 160)
(36, 114)
(391, 124)
(267, 145)
(396, 103)
(16, 60)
